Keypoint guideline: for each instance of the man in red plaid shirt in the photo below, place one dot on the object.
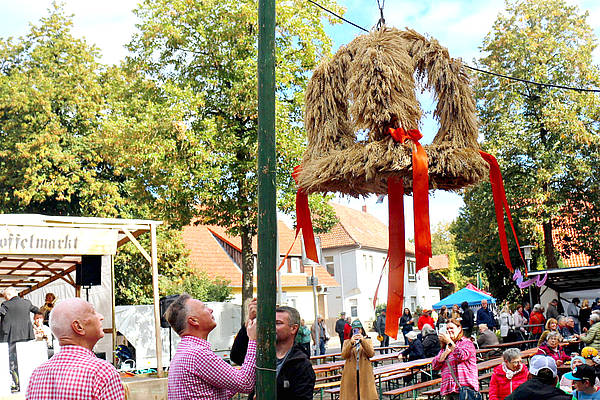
(196, 373)
(75, 373)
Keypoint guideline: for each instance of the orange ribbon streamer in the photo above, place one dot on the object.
(396, 254)
(421, 194)
(501, 205)
(303, 222)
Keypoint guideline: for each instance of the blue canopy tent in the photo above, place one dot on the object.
(473, 297)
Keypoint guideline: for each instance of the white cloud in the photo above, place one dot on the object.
(109, 24)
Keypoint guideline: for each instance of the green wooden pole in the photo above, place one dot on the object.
(266, 388)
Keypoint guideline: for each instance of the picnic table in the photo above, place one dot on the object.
(339, 353)
(332, 366)
(481, 366)
(509, 344)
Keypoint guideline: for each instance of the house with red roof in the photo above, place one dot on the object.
(354, 252)
(219, 255)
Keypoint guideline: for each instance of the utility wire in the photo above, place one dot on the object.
(338, 16)
(466, 65)
(532, 82)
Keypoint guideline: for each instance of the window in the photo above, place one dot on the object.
(371, 264)
(292, 301)
(353, 308)
(329, 264)
(413, 303)
(412, 270)
(295, 265)
(365, 261)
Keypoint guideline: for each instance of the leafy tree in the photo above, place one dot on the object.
(208, 50)
(443, 242)
(200, 286)
(63, 116)
(544, 137)
(50, 107)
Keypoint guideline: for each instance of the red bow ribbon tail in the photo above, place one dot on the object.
(421, 206)
(500, 205)
(396, 254)
(304, 222)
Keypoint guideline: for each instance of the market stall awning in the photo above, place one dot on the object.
(570, 279)
(473, 297)
(36, 250)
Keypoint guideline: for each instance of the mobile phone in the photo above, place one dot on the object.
(355, 331)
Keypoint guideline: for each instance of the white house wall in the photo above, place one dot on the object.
(301, 300)
(359, 280)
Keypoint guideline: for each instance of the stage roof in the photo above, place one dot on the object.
(38, 249)
(571, 279)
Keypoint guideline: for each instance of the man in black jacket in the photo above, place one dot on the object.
(339, 327)
(467, 320)
(295, 374)
(16, 325)
(541, 383)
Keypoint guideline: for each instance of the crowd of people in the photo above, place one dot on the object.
(197, 372)
(452, 344)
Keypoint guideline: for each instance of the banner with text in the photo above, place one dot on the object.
(57, 241)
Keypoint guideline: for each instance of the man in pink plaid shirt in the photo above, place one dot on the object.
(75, 373)
(196, 372)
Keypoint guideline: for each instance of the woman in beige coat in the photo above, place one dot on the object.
(349, 389)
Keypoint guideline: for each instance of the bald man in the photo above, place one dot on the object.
(75, 373)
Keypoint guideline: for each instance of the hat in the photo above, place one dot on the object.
(343, 313)
(539, 362)
(582, 372)
(412, 335)
(577, 358)
(589, 352)
(356, 324)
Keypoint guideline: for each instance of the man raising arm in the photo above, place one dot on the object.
(196, 373)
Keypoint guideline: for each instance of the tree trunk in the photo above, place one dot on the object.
(247, 271)
(551, 261)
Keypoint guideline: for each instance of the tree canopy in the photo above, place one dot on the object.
(545, 139)
(207, 50)
(64, 118)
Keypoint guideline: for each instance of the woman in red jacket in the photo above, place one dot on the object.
(508, 375)
(551, 347)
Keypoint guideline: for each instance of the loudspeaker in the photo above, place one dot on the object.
(163, 304)
(89, 272)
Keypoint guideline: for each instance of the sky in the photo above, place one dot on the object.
(459, 25)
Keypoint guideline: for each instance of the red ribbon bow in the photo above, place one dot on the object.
(401, 136)
(397, 250)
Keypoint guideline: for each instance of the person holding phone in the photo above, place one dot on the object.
(457, 362)
(358, 381)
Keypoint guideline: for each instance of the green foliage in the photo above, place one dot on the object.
(545, 139)
(207, 50)
(199, 286)
(443, 242)
(51, 102)
(65, 120)
(379, 308)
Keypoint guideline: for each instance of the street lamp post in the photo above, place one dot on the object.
(527, 255)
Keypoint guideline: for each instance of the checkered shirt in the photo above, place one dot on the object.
(75, 373)
(196, 373)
